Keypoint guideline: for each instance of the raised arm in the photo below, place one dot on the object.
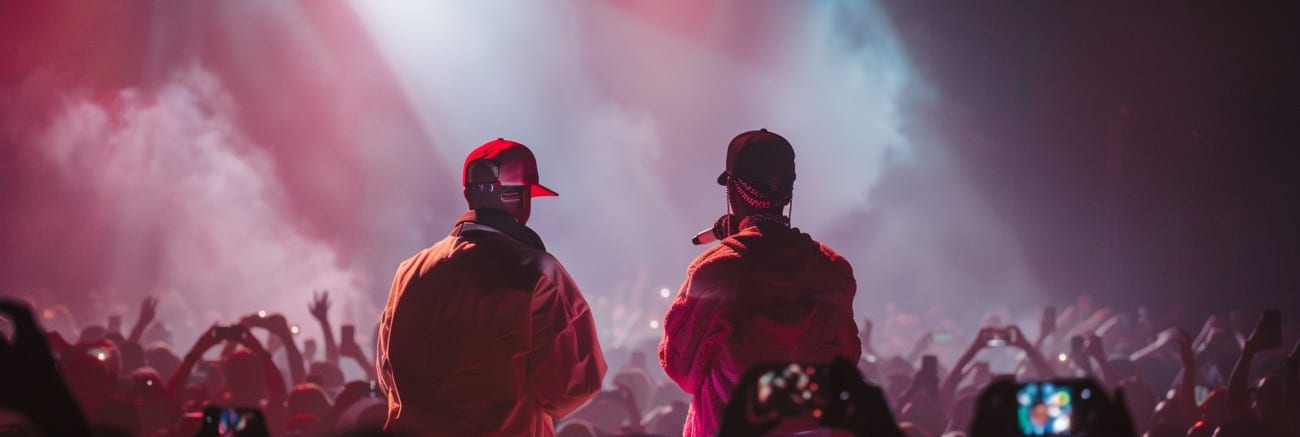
(565, 365)
(206, 340)
(1185, 393)
(1239, 404)
(1036, 360)
(348, 348)
(278, 327)
(148, 310)
(275, 388)
(320, 308)
(32, 384)
(1046, 327)
(1096, 350)
(948, 391)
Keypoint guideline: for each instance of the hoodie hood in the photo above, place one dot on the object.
(776, 253)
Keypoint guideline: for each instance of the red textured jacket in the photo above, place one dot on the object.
(484, 334)
(767, 294)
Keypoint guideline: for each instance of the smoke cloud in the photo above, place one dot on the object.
(188, 203)
(237, 173)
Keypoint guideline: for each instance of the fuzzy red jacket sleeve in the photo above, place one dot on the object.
(696, 326)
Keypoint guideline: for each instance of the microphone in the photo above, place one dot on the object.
(704, 237)
(721, 229)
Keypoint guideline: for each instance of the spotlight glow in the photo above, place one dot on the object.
(664, 293)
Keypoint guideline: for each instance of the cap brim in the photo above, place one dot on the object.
(539, 191)
(722, 179)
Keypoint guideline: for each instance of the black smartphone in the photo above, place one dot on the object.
(1055, 408)
(232, 333)
(348, 332)
(1077, 346)
(928, 376)
(232, 422)
(1270, 326)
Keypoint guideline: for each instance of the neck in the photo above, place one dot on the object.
(764, 218)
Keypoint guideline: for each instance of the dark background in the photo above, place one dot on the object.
(1155, 144)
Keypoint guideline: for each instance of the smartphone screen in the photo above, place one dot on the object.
(793, 391)
(1048, 408)
(941, 337)
(232, 422)
(996, 338)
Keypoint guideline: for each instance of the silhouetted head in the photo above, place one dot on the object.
(90, 378)
(162, 360)
(245, 378)
(308, 399)
(759, 175)
(502, 174)
(326, 375)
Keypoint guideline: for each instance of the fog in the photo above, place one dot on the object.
(251, 153)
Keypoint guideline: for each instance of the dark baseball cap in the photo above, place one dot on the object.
(759, 155)
(515, 165)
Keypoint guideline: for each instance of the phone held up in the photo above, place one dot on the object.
(232, 422)
(1055, 408)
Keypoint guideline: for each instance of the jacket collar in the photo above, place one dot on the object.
(499, 221)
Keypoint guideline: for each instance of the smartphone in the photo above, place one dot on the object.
(997, 337)
(232, 333)
(941, 337)
(1077, 345)
(929, 374)
(100, 353)
(1270, 326)
(232, 422)
(1054, 408)
(348, 332)
(793, 390)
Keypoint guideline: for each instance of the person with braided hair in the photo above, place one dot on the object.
(766, 293)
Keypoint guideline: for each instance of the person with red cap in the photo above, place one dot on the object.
(767, 294)
(485, 333)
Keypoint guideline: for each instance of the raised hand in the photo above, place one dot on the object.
(246, 339)
(1047, 324)
(148, 311)
(278, 326)
(320, 305)
(319, 308)
(210, 338)
(275, 323)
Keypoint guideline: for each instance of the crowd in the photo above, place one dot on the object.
(485, 333)
(1229, 377)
